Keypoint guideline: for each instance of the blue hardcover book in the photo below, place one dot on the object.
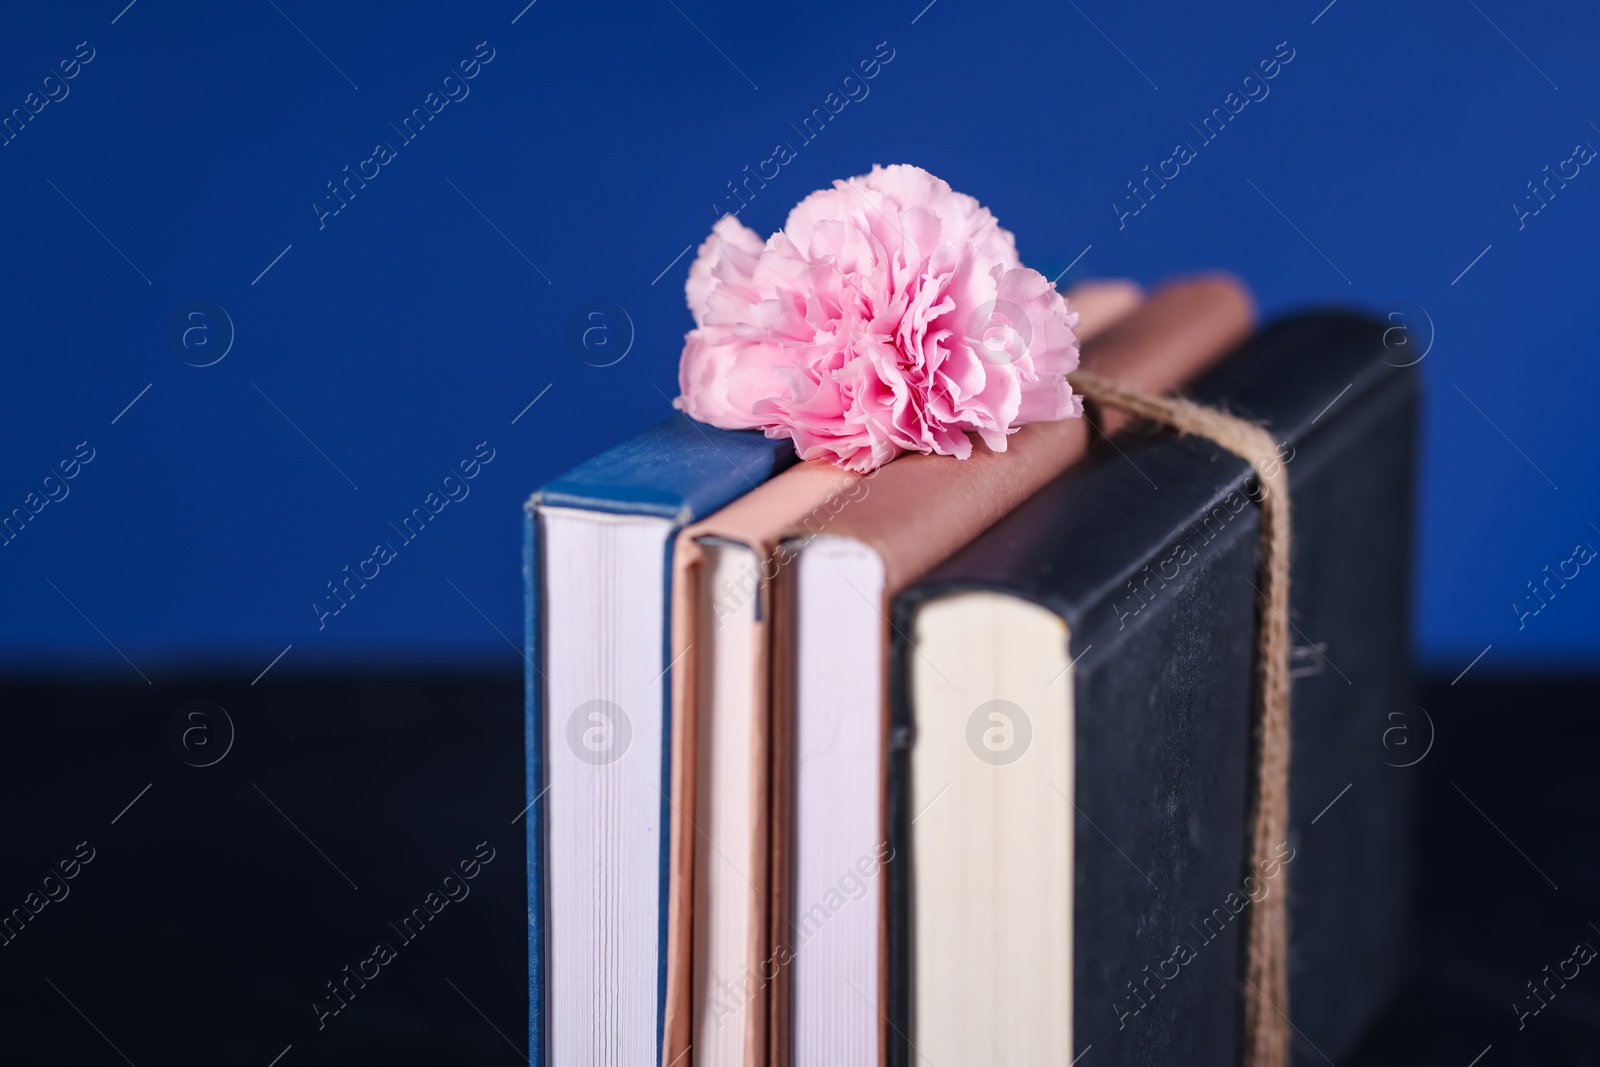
(597, 560)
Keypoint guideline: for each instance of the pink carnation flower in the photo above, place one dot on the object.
(889, 315)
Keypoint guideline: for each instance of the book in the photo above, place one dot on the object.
(830, 716)
(721, 895)
(722, 883)
(598, 544)
(1071, 736)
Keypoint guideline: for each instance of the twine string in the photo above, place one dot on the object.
(1265, 995)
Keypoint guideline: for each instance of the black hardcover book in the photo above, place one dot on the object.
(1113, 768)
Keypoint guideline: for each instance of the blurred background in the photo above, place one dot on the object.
(272, 270)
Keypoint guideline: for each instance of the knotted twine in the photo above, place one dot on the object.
(1266, 1001)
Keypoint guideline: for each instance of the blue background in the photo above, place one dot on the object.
(382, 347)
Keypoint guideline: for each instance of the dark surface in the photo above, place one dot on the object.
(1510, 881)
(206, 926)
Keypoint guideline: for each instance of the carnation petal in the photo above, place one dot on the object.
(890, 314)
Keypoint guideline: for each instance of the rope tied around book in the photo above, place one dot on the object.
(1266, 1000)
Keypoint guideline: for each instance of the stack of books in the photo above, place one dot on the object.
(950, 763)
